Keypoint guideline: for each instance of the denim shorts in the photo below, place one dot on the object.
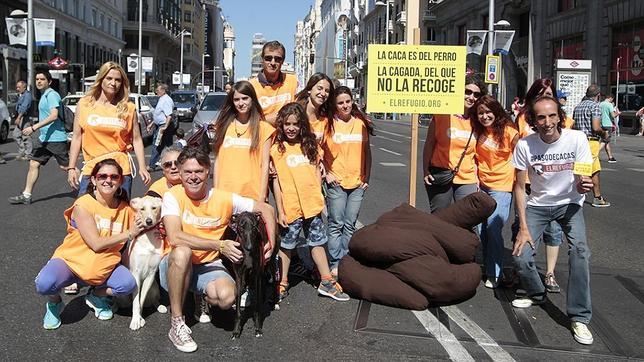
(202, 274)
(314, 232)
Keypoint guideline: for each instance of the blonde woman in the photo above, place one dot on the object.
(106, 126)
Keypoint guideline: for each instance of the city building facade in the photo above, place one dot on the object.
(256, 54)
(229, 50)
(215, 73)
(306, 36)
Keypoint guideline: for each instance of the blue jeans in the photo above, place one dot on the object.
(441, 197)
(571, 219)
(126, 186)
(343, 206)
(492, 233)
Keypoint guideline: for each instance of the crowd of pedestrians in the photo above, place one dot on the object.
(310, 150)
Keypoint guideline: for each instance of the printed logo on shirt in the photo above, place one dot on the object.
(347, 138)
(540, 169)
(267, 101)
(296, 160)
(236, 142)
(454, 133)
(199, 221)
(103, 224)
(111, 122)
(489, 143)
(553, 157)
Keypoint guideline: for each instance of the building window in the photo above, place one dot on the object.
(626, 45)
(524, 24)
(188, 2)
(462, 34)
(568, 48)
(565, 5)
(101, 24)
(431, 34)
(187, 16)
(94, 18)
(109, 26)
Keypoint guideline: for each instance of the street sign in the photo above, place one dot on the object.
(573, 77)
(416, 79)
(176, 78)
(57, 63)
(492, 68)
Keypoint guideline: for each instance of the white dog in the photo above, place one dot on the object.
(143, 256)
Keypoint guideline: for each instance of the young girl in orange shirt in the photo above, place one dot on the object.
(315, 100)
(242, 145)
(496, 136)
(347, 161)
(98, 225)
(298, 193)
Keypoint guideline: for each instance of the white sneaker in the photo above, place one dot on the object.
(581, 333)
(526, 302)
(491, 283)
(203, 310)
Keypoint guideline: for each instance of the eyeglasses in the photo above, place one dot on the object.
(105, 176)
(168, 164)
(469, 92)
(269, 58)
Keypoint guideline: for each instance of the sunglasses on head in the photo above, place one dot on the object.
(269, 58)
(105, 176)
(168, 164)
(469, 92)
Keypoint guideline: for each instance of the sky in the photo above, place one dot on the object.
(276, 19)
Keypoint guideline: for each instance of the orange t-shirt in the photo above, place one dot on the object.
(273, 97)
(495, 169)
(206, 219)
(94, 267)
(299, 181)
(159, 187)
(526, 130)
(104, 135)
(344, 152)
(238, 168)
(318, 127)
(451, 133)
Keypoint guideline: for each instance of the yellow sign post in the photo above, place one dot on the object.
(492, 69)
(415, 79)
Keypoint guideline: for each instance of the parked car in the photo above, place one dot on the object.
(153, 99)
(144, 112)
(72, 100)
(5, 122)
(208, 110)
(185, 102)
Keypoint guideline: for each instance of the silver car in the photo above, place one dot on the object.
(208, 110)
(144, 113)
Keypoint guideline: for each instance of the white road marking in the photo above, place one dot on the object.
(389, 139)
(608, 169)
(394, 134)
(478, 334)
(636, 169)
(452, 346)
(392, 164)
(389, 151)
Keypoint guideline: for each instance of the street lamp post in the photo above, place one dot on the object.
(140, 60)
(203, 72)
(30, 41)
(386, 4)
(183, 33)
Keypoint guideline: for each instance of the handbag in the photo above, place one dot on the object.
(444, 176)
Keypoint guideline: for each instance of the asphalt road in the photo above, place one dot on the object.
(309, 327)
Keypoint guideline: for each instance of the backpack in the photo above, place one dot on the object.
(66, 116)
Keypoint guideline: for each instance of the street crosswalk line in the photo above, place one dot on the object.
(392, 164)
(394, 134)
(496, 352)
(388, 139)
(452, 346)
(389, 151)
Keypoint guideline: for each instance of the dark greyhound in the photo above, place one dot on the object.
(259, 275)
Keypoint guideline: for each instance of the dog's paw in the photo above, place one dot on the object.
(277, 306)
(258, 334)
(136, 323)
(162, 309)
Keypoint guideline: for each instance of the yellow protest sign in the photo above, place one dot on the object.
(583, 169)
(416, 79)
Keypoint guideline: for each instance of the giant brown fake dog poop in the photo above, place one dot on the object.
(408, 253)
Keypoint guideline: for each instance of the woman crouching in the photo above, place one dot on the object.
(98, 225)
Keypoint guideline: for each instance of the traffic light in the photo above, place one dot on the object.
(311, 58)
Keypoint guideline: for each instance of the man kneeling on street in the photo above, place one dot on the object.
(554, 159)
(195, 217)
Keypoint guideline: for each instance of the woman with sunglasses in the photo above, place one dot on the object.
(242, 145)
(99, 223)
(449, 150)
(315, 100)
(496, 136)
(347, 160)
(106, 126)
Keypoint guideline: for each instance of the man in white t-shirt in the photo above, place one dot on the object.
(195, 217)
(548, 158)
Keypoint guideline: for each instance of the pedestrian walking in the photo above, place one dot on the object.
(273, 87)
(22, 121)
(495, 141)
(640, 115)
(299, 199)
(347, 161)
(448, 156)
(315, 98)
(609, 114)
(106, 126)
(548, 158)
(242, 145)
(52, 141)
(161, 125)
(99, 223)
(587, 116)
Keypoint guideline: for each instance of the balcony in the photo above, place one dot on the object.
(429, 16)
(401, 18)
